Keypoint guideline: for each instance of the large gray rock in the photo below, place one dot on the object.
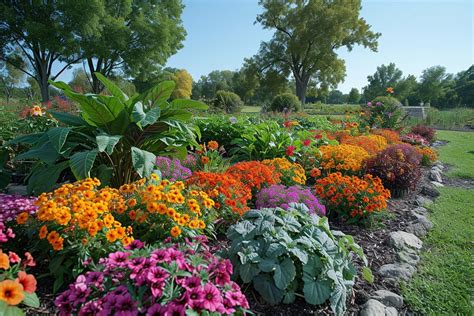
(408, 256)
(388, 298)
(419, 211)
(391, 311)
(435, 175)
(397, 271)
(437, 184)
(401, 240)
(372, 308)
(417, 229)
(429, 190)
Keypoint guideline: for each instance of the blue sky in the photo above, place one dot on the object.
(416, 34)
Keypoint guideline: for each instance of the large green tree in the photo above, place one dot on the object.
(434, 85)
(137, 36)
(464, 87)
(45, 35)
(385, 76)
(216, 80)
(354, 96)
(307, 35)
(10, 78)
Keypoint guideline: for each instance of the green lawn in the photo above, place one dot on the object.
(251, 109)
(444, 283)
(459, 152)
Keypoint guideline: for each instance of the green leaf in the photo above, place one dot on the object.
(111, 87)
(29, 139)
(12, 311)
(289, 297)
(81, 163)
(57, 136)
(300, 254)
(107, 142)
(367, 275)
(43, 177)
(46, 152)
(143, 161)
(68, 118)
(31, 299)
(151, 116)
(138, 114)
(188, 104)
(317, 292)
(267, 265)
(314, 267)
(266, 288)
(157, 94)
(247, 272)
(285, 272)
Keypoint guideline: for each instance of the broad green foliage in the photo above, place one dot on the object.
(286, 253)
(115, 138)
(285, 102)
(227, 101)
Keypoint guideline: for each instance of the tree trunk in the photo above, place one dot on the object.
(301, 87)
(44, 87)
(96, 85)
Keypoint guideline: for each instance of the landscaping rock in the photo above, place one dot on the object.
(437, 184)
(391, 311)
(16, 189)
(429, 191)
(388, 298)
(397, 271)
(423, 221)
(419, 200)
(401, 240)
(408, 256)
(372, 308)
(417, 229)
(419, 211)
(435, 175)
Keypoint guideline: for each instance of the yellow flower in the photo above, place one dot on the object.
(175, 231)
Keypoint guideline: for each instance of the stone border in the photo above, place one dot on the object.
(407, 246)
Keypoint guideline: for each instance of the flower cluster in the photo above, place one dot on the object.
(189, 162)
(210, 157)
(398, 166)
(391, 136)
(382, 112)
(172, 169)
(291, 173)
(351, 196)
(414, 139)
(16, 286)
(11, 206)
(428, 154)
(159, 208)
(172, 280)
(344, 158)
(229, 192)
(254, 174)
(426, 132)
(371, 143)
(280, 196)
(81, 213)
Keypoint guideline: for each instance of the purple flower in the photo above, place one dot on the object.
(369, 104)
(191, 282)
(174, 309)
(378, 103)
(172, 169)
(157, 274)
(212, 298)
(118, 258)
(195, 297)
(155, 310)
(136, 244)
(125, 306)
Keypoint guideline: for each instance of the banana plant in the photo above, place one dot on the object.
(115, 137)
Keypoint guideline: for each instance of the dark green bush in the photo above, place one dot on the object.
(227, 101)
(285, 102)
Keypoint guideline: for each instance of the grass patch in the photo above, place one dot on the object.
(459, 153)
(445, 278)
(251, 109)
(444, 283)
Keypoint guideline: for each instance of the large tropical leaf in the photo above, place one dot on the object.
(143, 161)
(68, 118)
(43, 177)
(82, 162)
(107, 142)
(317, 292)
(285, 272)
(44, 152)
(57, 137)
(266, 287)
(29, 139)
(157, 95)
(111, 87)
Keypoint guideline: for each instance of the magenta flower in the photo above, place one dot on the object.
(155, 310)
(195, 297)
(157, 274)
(118, 258)
(212, 298)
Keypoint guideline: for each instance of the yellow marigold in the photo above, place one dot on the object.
(344, 158)
(291, 173)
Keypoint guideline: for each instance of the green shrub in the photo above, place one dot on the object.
(228, 101)
(383, 112)
(285, 102)
(289, 253)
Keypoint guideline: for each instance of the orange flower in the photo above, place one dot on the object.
(175, 231)
(43, 232)
(28, 281)
(4, 261)
(22, 218)
(36, 111)
(390, 90)
(205, 160)
(315, 172)
(213, 145)
(11, 292)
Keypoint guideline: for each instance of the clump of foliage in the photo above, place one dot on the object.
(382, 112)
(114, 138)
(174, 279)
(290, 173)
(352, 198)
(398, 166)
(172, 169)
(285, 102)
(228, 101)
(211, 157)
(279, 195)
(428, 154)
(291, 252)
(343, 158)
(426, 132)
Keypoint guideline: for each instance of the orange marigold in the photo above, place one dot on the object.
(344, 158)
(254, 174)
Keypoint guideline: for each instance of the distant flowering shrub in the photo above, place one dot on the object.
(280, 196)
(291, 173)
(426, 132)
(391, 136)
(372, 143)
(352, 197)
(415, 139)
(172, 169)
(343, 158)
(398, 166)
(175, 279)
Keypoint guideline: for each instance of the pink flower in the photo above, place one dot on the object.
(212, 298)
(191, 282)
(14, 258)
(307, 142)
(157, 274)
(195, 297)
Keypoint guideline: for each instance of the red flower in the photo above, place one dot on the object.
(14, 258)
(319, 136)
(307, 142)
(287, 124)
(290, 151)
(28, 281)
